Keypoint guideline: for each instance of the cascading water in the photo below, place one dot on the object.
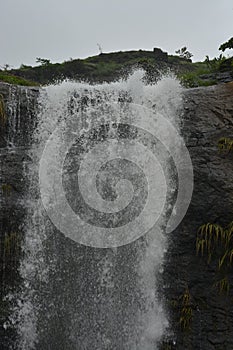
(92, 282)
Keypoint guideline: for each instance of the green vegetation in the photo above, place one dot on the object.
(193, 79)
(223, 285)
(227, 45)
(104, 67)
(225, 144)
(215, 64)
(186, 311)
(111, 66)
(183, 306)
(205, 73)
(184, 53)
(42, 61)
(16, 80)
(216, 243)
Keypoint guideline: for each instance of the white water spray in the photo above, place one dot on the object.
(76, 297)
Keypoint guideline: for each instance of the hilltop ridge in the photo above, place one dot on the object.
(107, 67)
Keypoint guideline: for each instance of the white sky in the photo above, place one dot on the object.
(58, 30)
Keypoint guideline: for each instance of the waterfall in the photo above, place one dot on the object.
(102, 187)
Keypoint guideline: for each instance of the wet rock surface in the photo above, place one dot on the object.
(17, 122)
(208, 116)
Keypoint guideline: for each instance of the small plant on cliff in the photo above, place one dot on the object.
(216, 241)
(225, 144)
(223, 285)
(211, 236)
(186, 312)
(208, 237)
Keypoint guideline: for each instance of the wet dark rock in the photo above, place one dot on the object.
(16, 128)
(208, 116)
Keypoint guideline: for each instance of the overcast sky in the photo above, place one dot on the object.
(59, 30)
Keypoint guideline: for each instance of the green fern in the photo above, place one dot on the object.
(223, 285)
(211, 237)
(208, 236)
(186, 313)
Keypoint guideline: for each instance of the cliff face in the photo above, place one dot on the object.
(17, 121)
(208, 116)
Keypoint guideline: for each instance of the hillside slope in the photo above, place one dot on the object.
(111, 66)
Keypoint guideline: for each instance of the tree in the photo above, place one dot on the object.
(42, 61)
(227, 45)
(184, 53)
(6, 66)
(215, 63)
(24, 66)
